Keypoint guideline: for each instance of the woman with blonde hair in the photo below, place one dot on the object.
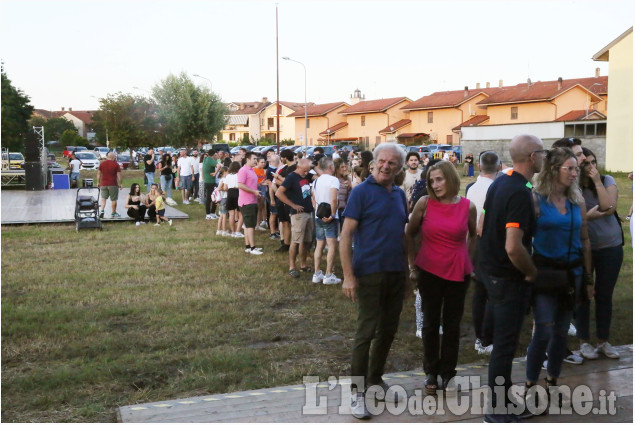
(441, 265)
(560, 250)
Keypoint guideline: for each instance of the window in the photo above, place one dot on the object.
(308, 123)
(448, 139)
(377, 140)
(585, 130)
(270, 122)
(430, 117)
(363, 121)
(514, 113)
(232, 137)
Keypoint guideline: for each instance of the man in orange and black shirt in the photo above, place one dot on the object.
(505, 248)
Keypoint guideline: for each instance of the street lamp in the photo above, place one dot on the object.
(305, 104)
(208, 80)
(139, 88)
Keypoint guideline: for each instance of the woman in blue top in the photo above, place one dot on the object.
(561, 242)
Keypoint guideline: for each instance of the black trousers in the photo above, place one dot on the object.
(139, 214)
(210, 207)
(481, 312)
(441, 298)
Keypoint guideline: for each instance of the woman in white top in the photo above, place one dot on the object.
(222, 205)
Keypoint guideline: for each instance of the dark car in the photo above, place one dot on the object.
(349, 148)
(221, 147)
(420, 149)
(125, 162)
(328, 151)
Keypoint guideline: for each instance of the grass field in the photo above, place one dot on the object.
(96, 320)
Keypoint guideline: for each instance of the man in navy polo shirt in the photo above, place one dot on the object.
(375, 273)
(509, 223)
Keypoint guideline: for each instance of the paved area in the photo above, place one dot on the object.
(58, 206)
(608, 383)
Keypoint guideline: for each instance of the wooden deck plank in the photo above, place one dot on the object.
(284, 404)
(58, 206)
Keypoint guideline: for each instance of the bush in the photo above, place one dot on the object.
(71, 138)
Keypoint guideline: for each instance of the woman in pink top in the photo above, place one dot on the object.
(441, 267)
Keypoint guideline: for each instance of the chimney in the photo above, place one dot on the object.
(264, 100)
(529, 82)
(62, 109)
(465, 94)
(597, 72)
(487, 85)
(70, 109)
(478, 85)
(500, 83)
(559, 83)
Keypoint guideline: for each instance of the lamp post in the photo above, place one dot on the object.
(208, 80)
(305, 105)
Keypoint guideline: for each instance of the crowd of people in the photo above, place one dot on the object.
(543, 233)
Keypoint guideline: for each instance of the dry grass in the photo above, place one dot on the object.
(95, 320)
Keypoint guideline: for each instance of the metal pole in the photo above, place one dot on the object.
(306, 123)
(277, 90)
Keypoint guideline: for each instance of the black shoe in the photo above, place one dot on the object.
(492, 418)
(283, 248)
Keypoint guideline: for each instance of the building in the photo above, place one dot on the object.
(82, 120)
(619, 133)
(243, 121)
(367, 118)
(324, 124)
(268, 124)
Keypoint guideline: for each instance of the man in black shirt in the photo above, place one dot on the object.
(288, 158)
(509, 224)
(148, 162)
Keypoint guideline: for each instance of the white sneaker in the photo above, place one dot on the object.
(418, 334)
(138, 223)
(573, 358)
(157, 224)
(226, 233)
(244, 227)
(358, 406)
(219, 233)
(142, 222)
(258, 248)
(588, 351)
(247, 250)
(186, 202)
(331, 279)
(572, 330)
(487, 350)
(197, 200)
(478, 346)
(318, 276)
(440, 330)
(608, 350)
(264, 224)
(255, 252)
(170, 222)
(238, 235)
(261, 228)
(208, 217)
(214, 216)
(170, 202)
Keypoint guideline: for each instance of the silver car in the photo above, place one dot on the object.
(89, 160)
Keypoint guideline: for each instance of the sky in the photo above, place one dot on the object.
(71, 53)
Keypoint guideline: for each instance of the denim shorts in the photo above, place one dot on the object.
(186, 182)
(222, 207)
(326, 230)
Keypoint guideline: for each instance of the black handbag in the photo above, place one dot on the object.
(323, 210)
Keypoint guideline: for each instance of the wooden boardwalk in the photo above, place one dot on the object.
(285, 404)
(58, 206)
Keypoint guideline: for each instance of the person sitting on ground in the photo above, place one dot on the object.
(150, 202)
(136, 209)
(326, 228)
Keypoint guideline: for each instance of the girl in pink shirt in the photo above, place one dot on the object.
(442, 268)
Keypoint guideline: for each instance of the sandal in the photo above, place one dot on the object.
(294, 273)
(431, 384)
(306, 269)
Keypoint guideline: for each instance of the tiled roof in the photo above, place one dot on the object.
(581, 115)
(237, 119)
(295, 105)
(391, 128)
(544, 90)
(333, 129)
(447, 99)
(408, 135)
(248, 108)
(48, 114)
(476, 120)
(318, 110)
(369, 106)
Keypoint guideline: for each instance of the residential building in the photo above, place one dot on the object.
(324, 124)
(619, 133)
(82, 120)
(268, 124)
(367, 118)
(243, 121)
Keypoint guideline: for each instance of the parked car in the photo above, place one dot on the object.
(89, 160)
(101, 152)
(14, 160)
(67, 151)
(419, 149)
(433, 147)
(221, 147)
(328, 151)
(235, 149)
(266, 149)
(125, 162)
(349, 148)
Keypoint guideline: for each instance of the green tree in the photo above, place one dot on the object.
(16, 112)
(55, 127)
(130, 121)
(187, 113)
(71, 138)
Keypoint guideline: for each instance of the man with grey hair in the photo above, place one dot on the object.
(375, 273)
(509, 223)
(109, 182)
(489, 165)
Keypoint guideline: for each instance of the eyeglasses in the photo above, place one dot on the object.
(542, 151)
(571, 170)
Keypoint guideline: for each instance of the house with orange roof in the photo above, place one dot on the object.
(82, 120)
(367, 118)
(268, 123)
(324, 124)
(243, 121)
(437, 114)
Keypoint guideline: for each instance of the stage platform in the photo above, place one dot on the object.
(606, 380)
(58, 206)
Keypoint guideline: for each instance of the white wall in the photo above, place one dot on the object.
(547, 130)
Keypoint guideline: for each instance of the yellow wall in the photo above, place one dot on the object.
(374, 122)
(287, 125)
(619, 137)
(572, 100)
(527, 112)
(318, 125)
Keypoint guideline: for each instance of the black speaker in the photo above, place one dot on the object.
(32, 148)
(35, 177)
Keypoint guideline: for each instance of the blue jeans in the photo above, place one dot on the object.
(551, 324)
(509, 299)
(607, 263)
(150, 177)
(166, 185)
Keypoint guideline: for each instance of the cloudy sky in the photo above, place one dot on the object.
(69, 53)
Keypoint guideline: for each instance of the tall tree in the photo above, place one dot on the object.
(188, 113)
(130, 120)
(16, 112)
